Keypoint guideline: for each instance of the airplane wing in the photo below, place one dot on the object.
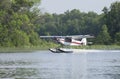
(81, 36)
(70, 36)
(51, 36)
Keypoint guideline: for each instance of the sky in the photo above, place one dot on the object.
(61, 6)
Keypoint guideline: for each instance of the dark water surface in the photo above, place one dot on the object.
(47, 65)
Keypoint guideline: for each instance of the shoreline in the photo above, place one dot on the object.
(38, 48)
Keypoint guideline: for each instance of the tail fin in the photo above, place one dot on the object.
(84, 41)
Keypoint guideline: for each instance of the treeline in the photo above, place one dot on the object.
(21, 23)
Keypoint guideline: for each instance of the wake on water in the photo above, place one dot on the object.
(92, 50)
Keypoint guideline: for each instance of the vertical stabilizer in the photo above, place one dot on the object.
(84, 41)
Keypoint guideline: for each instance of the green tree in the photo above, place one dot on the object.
(19, 38)
(34, 39)
(103, 37)
(17, 22)
(117, 38)
(112, 18)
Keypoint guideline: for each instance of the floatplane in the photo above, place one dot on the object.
(72, 40)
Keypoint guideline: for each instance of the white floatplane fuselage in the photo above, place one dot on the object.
(72, 42)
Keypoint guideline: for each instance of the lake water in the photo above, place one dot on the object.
(47, 65)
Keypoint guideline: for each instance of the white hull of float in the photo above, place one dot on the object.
(60, 50)
(54, 50)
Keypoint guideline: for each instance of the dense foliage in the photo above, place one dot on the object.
(112, 20)
(21, 23)
(69, 23)
(16, 23)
